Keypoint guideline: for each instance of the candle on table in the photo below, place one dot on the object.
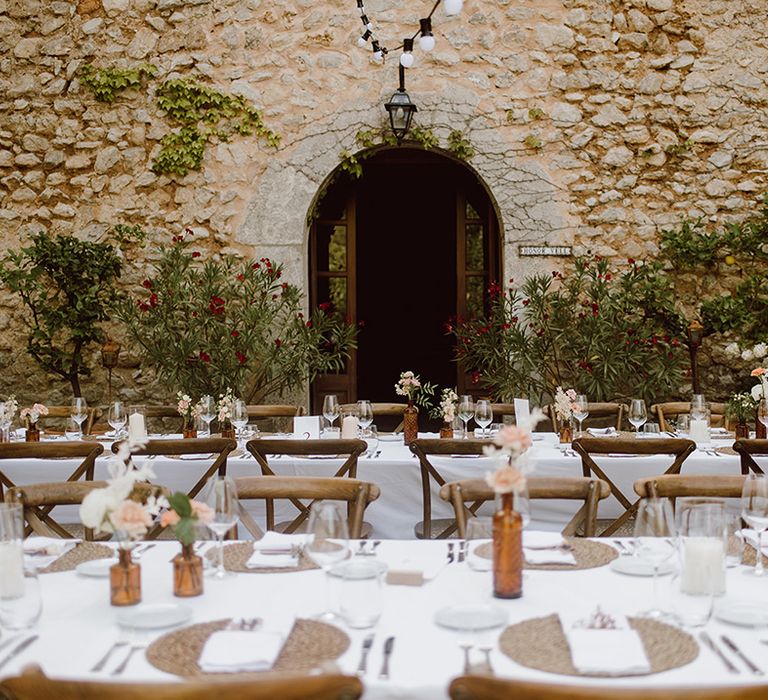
(703, 565)
(349, 428)
(136, 427)
(699, 431)
(11, 570)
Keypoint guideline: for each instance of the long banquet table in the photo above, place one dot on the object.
(397, 473)
(78, 625)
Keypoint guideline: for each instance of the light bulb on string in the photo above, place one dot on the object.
(367, 23)
(406, 58)
(378, 52)
(452, 7)
(363, 40)
(427, 39)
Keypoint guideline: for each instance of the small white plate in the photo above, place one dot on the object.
(744, 613)
(97, 568)
(391, 437)
(634, 566)
(154, 616)
(471, 617)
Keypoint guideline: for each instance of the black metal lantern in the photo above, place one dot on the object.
(401, 110)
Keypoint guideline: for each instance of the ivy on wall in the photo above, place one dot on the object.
(107, 83)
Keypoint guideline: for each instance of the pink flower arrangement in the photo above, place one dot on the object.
(506, 479)
(184, 515)
(760, 391)
(565, 403)
(512, 438)
(132, 519)
(34, 412)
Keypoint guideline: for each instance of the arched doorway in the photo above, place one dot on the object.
(411, 243)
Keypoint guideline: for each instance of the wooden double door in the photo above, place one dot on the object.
(411, 244)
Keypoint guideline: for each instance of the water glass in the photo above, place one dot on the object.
(22, 611)
(479, 536)
(466, 411)
(754, 510)
(71, 429)
(654, 540)
(637, 413)
(580, 410)
(331, 408)
(221, 496)
(11, 523)
(239, 416)
(651, 430)
(762, 411)
(689, 609)
(371, 437)
(117, 417)
(361, 592)
(734, 547)
(79, 412)
(683, 424)
(364, 414)
(698, 407)
(328, 543)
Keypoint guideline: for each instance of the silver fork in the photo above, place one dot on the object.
(124, 664)
(102, 662)
(449, 555)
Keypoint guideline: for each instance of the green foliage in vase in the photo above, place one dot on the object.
(107, 83)
(65, 285)
(203, 113)
(741, 408)
(208, 325)
(607, 334)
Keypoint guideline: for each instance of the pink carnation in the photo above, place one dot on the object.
(169, 518)
(758, 371)
(506, 479)
(514, 438)
(203, 512)
(131, 518)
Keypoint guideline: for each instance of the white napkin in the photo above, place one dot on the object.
(615, 652)
(535, 544)
(603, 432)
(42, 551)
(275, 540)
(239, 650)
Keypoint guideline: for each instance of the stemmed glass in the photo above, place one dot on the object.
(79, 412)
(483, 414)
(331, 408)
(371, 437)
(364, 415)
(207, 412)
(580, 410)
(637, 413)
(327, 544)
(117, 418)
(239, 417)
(754, 510)
(466, 411)
(654, 540)
(221, 496)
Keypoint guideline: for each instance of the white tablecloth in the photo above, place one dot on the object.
(397, 473)
(78, 624)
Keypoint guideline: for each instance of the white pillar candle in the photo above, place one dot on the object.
(699, 431)
(11, 570)
(136, 428)
(703, 565)
(349, 428)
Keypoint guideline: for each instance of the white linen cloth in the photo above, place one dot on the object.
(240, 650)
(539, 547)
(260, 559)
(614, 652)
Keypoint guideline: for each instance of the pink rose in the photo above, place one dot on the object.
(203, 512)
(514, 438)
(759, 371)
(169, 518)
(506, 480)
(131, 518)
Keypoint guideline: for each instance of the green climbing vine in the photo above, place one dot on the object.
(460, 146)
(107, 83)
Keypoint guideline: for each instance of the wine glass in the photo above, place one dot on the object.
(327, 544)
(207, 412)
(754, 510)
(483, 414)
(331, 408)
(364, 414)
(654, 540)
(239, 417)
(221, 497)
(466, 411)
(580, 410)
(117, 417)
(637, 413)
(79, 412)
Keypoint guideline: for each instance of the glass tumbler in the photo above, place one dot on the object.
(22, 611)
(361, 592)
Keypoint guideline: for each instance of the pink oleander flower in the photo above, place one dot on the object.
(169, 518)
(203, 512)
(131, 518)
(514, 439)
(506, 479)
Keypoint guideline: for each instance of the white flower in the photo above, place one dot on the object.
(760, 351)
(757, 392)
(732, 349)
(95, 507)
(747, 356)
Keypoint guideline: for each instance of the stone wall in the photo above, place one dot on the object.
(594, 122)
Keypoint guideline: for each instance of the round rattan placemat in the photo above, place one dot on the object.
(588, 555)
(236, 555)
(726, 451)
(85, 551)
(309, 645)
(749, 557)
(540, 644)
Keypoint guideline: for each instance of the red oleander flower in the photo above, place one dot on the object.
(255, 266)
(361, 323)
(242, 359)
(235, 334)
(196, 254)
(475, 377)
(240, 277)
(631, 261)
(204, 356)
(143, 306)
(147, 284)
(324, 307)
(153, 300)
(216, 305)
(278, 342)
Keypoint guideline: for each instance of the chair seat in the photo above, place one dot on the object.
(365, 530)
(438, 525)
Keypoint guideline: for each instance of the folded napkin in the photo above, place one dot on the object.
(42, 551)
(276, 550)
(542, 548)
(603, 432)
(239, 650)
(615, 651)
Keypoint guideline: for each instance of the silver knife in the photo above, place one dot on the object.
(8, 642)
(363, 665)
(18, 649)
(704, 637)
(388, 645)
(732, 646)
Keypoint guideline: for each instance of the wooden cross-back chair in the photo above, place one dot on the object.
(586, 448)
(674, 486)
(393, 411)
(672, 409)
(349, 450)
(65, 412)
(87, 452)
(485, 688)
(357, 494)
(217, 448)
(32, 684)
(601, 415)
(476, 492)
(747, 450)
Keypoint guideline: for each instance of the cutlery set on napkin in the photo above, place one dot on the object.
(242, 647)
(547, 548)
(276, 550)
(43, 551)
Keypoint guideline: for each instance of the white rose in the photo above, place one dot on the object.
(747, 356)
(760, 351)
(757, 392)
(732, 349)
(93, 509)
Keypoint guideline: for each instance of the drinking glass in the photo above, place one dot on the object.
(207, 412)
(239, 417)
(702, 528)
(637, 413)
(221, 496)
(331, 408)
(478, 542)
(79, 412)
(371, 437)
(361, 595)
(762, 411)
(734, 543)
(328, 543)
(689, 609)
(71, 429)
(654, 541)
(22, 611)
(483, 414)
(683, 425)
(466, 411)
(580, 410)
(698, 407)
(754, 510)
(117, 417)
(364, 414)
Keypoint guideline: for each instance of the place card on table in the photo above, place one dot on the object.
(306, 427)
(415, 571)
(604, 644)
(276, 550)
(546, 548)
(240, 650)
(522, 411)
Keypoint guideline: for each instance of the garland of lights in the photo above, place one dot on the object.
(424, 34)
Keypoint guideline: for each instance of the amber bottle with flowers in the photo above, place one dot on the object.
(417, 393)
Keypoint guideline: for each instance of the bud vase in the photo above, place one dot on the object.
(33, 433)
(507, 550)
(566, 433)
(227, 431)
(446, 431)
(187, 573)
(760, 429)
(188, 433)
(410, 423)
(125, 579)
(741, 430)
